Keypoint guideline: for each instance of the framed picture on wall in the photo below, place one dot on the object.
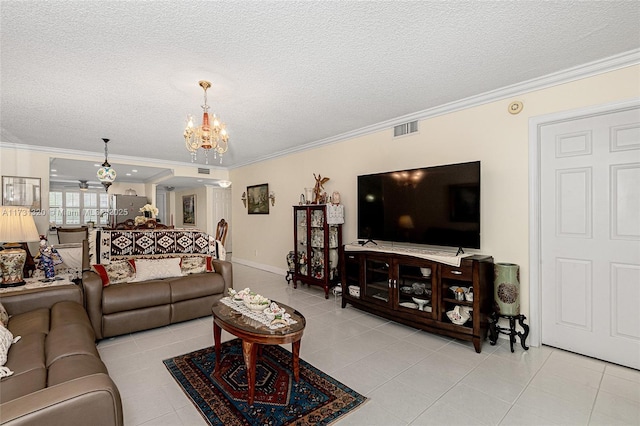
(258, 199)
(189, 209)
(21, 191)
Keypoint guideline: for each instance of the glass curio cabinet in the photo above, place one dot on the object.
(317, 245)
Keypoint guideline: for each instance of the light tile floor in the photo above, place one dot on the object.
(410, 377)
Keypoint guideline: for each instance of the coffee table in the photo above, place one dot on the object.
(253, 334)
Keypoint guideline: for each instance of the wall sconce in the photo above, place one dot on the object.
(272, 197)
(244, 199)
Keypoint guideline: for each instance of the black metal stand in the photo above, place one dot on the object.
(495, 329)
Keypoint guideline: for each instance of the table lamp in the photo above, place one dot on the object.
(16, 226)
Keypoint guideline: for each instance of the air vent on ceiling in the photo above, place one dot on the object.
(203, 171)
(405, 129)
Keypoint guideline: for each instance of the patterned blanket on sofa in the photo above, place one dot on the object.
(107, 246)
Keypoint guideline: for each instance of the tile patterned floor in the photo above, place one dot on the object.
(411, 377)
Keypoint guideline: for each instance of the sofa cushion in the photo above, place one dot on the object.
(36, 321)
(74, 367)
(154, 269)
(119, 298)
(118, 272)
(26, 360)
(194, 286)
(69, 340)
(65, 313)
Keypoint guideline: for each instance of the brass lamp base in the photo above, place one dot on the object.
(11, 267)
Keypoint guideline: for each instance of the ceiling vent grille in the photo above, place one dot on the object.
(405, 129)
(203, 171)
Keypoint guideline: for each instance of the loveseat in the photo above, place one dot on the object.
(143, 279)
(57, 375)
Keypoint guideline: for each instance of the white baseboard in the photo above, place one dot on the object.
(261, 266)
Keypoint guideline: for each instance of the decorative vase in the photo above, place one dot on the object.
(308, 195)
(506, 288)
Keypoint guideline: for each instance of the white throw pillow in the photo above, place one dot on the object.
(153, 269)
(6, 339)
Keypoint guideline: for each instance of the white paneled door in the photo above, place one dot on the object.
(590, 236)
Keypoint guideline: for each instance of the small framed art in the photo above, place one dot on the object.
(258, 199)
(189, 209)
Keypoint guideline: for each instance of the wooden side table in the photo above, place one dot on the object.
(495, 329)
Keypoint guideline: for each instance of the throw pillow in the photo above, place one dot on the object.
(4, 316)
(121, 271)
(193, 265)
(6, 339)
(210, 267)
(153, 269)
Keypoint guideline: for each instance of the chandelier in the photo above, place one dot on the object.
(105, 173)
(211, 135)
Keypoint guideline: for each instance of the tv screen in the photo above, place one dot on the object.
(433, 205)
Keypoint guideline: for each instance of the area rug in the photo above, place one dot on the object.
(316, 399)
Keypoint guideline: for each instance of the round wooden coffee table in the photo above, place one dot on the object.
(253, 334)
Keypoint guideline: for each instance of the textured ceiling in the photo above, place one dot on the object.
(284, 74)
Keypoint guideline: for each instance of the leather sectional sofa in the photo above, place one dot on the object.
(129, 307)
(58, 377)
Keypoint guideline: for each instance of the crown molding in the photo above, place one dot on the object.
(611, 63)
(97, 156)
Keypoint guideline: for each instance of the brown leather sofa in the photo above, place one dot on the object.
(129, 307)
(58, 377)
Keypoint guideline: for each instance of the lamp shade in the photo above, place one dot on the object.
(17, 225)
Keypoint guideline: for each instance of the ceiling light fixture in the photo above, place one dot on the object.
(211, 135)
(224, 183)
(83, 185)
(105, 173)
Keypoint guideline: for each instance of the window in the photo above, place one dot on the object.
(78, 208)
(72, 208)
(55, 208)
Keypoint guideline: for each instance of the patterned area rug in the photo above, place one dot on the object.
(317, 399)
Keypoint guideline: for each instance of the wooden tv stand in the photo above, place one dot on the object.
(388, 281)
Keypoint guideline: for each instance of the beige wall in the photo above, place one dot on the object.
(201, 208)
(487, 133)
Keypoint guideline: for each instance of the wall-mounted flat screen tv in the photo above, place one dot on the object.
(437, 205)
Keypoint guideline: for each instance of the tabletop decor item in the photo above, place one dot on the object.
(317, 189)
(149, 210)
(506, 287)
(458, 315)
(47, 258)
(17, 227)
(256, 302)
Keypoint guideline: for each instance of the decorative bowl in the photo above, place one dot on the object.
(426, 272)
(255, 302)
(354, 291)
(273, 311)
(458, 315)
(255, 306)
(420, 302)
